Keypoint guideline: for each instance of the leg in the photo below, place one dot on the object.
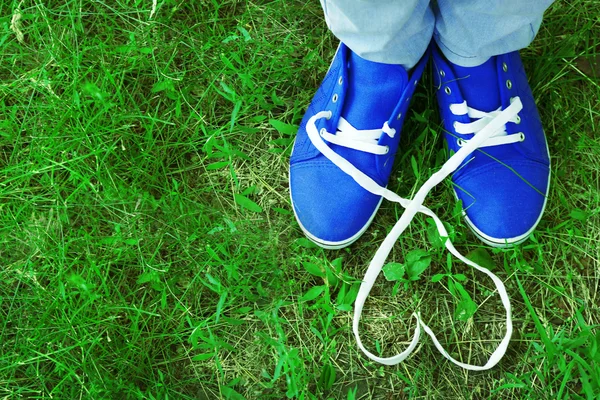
(385, 31)
(504, 184)
(471, 31)
(357, 113)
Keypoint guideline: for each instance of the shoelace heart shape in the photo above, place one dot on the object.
(412, 207)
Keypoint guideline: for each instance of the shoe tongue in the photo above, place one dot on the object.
(374, 90)
(479, 85)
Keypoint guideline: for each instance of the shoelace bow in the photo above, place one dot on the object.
(490, 131)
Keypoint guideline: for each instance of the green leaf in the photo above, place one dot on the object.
(258, 118)
(220, 305)
(440, 157)
(434, 236)
(313, 269)
(482, 257)
(282, 142)
(420, 117)
(451, 287)
(162, 85)
(413, 164)
(460, 277)
(437, 277)
(465, 310)
(594, 348)
(331, 269)
(393, 271)
(352, 293)
(197, 334)
(327, 378)
(92, 90)
(341, 294)
(228, 63)
(230, 393)
(332, 279)
(281, 211)
(146, 277)
(352, 393)
(337, 264)
(283, 128)
(244, 33)
(306, 243)
(217, 165)
(276, 99)
(233, 321)
(245, 202)
(458, 208)
(466, 307)
(228, 90)
(417, 261)
(579, 215)
(312, 293)
(234, 114)
(249, 190)
(203, 357)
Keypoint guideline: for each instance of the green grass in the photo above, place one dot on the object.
(147, 244)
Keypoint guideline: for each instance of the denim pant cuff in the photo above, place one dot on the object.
(454, 58)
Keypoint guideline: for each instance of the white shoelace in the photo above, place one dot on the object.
(358, 139)
(493, 128)
(481, 119)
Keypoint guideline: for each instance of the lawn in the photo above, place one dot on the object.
(148, 249)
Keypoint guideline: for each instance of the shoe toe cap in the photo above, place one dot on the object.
(503, 205)
(332, 209)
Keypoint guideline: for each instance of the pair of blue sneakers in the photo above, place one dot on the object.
(354, 122)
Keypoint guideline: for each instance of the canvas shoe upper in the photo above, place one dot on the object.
(362, 106)
(504, 184)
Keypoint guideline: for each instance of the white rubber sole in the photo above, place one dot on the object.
(508, 242)
(329, 245)
(517, 240)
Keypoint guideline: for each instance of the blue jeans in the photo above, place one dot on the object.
(468, 32)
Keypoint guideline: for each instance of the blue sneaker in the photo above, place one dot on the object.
(504, 184)
(357, 113)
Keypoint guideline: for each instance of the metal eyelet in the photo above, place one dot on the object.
(508, 84)
(518, 120)
(460, 142)
(522, 136)
(341, 80)
(330, 115)
(322, 132)
(442, 73)
(447, 90)
(504, 67)
(387, 149)
(399, 116)
(335, 98)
